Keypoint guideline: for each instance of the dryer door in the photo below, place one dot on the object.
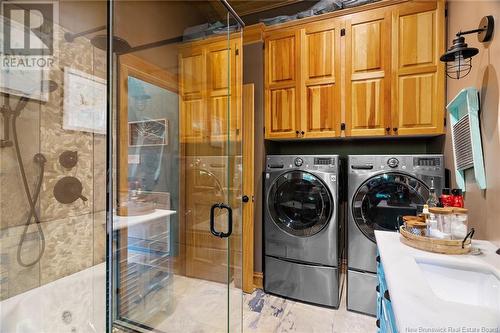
(382, 201)
(300, 203)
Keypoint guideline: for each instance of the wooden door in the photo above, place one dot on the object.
(320, 86)
(368, 52)
(205, 184)
(192, 95)
(418, 76)
(282, 78)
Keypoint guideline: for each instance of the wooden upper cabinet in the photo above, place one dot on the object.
(192, 64)
(280, 119)
(418, 81)
(282, 85)
(282, 58)
(192, 90)
(368, 63)
(386, 77)
(210, 91)
(218, 61)
(320, 84)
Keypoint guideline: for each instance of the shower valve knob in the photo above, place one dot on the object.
(68, 190)
(68, 159)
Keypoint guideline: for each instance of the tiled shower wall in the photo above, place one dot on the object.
(75, 233)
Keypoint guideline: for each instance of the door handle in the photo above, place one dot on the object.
(229, 220)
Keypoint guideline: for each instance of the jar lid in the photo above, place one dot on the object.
(441, 210)
(458, 210)
(416, 223)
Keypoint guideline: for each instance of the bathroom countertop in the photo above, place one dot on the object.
(416, 307)
(120, 222)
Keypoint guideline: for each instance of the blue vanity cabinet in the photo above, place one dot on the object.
(386, 322)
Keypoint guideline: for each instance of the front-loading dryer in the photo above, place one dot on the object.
(381, 190)
(301, 244)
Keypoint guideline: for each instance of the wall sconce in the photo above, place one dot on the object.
(458, 58)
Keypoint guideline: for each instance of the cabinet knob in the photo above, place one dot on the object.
(387, 129)
(387, 296)
(297, 132)
(395, 129)
(302, 132)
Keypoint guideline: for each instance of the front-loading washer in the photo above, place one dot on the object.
(381, 190)
(301, 243)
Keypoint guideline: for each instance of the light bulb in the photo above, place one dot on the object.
(459, 59)
(458, 63)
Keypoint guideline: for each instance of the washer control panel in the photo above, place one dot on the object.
(326, 163)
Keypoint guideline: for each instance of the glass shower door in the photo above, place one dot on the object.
(175, 245)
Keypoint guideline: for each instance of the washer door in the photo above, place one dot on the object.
(300, 203)
(382, 200)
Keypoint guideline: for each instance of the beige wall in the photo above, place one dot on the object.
(484, 206)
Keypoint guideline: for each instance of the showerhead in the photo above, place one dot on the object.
(49, 86)
(120, 45)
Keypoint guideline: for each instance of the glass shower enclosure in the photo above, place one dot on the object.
(174, 208)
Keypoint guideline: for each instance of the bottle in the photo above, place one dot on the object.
(457, 198)
(425, 212)
(433, 199)
(446, 198)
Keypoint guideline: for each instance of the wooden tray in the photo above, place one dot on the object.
(444, 246)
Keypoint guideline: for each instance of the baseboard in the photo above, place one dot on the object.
(258, 280)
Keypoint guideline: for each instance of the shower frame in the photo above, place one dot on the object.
(111, 95)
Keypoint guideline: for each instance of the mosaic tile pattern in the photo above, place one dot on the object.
(16, 279)
(68, 249)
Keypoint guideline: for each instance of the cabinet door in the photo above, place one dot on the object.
(368, 73)
(192, 91)
(223, 91)
(320, 86)
(418, 81)
(281, 84)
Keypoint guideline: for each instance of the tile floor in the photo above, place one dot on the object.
(265, 313)
(199, 307)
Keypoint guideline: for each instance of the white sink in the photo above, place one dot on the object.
(465, 283)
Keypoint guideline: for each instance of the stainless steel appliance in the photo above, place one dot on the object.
(301, 228)
(381, 189)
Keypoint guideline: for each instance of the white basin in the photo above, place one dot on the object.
(465, 283)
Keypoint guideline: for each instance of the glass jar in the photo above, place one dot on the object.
(415, 225)
(459, 223)
(441, 228)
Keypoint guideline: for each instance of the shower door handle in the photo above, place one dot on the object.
(229, 220)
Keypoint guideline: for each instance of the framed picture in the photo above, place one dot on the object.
(152, 132)
(84, 102)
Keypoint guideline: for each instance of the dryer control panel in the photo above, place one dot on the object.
(396, 162)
